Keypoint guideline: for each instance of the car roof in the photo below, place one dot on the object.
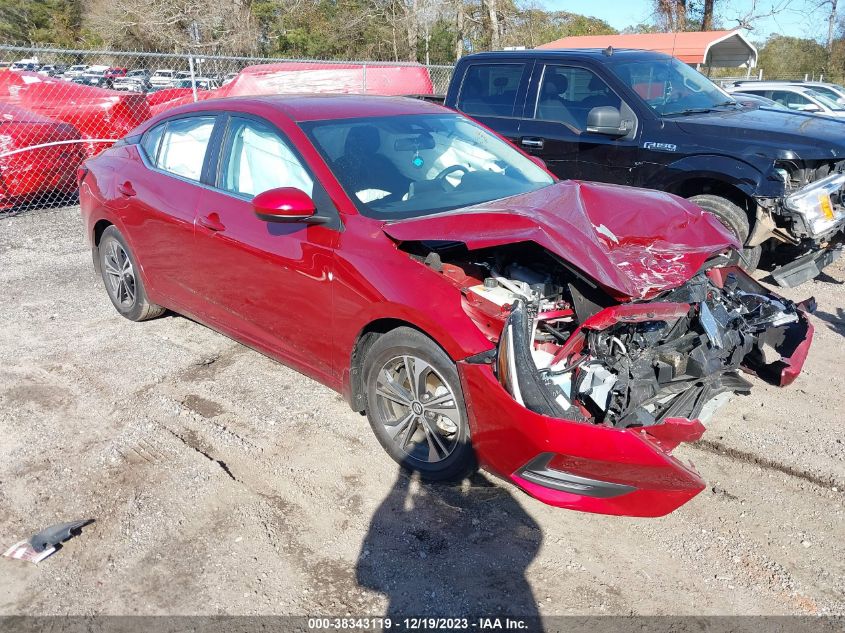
(627, 54)
(773, 85)
(317, 107)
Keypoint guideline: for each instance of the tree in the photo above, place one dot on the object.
(791, 57)
(55, 22)
(707, 15)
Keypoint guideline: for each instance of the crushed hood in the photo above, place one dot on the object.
(633, 242)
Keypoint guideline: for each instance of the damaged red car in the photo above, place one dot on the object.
(565, 335)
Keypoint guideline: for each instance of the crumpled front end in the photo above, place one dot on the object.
(584, 397)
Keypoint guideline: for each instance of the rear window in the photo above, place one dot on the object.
(491, 89)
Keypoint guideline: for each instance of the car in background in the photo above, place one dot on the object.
(75, 71)
(29, 65)
(39, 159)
(776, 179)
(202, 83)
(52, 70)
(746, 98)
(162, 77)
(115, 73)
(95, 76)
(830, 90)
(137, 80)
(567, 335)
(797, 97)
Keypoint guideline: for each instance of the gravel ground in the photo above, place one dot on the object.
(222, 482)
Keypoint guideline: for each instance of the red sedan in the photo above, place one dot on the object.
(565, 335)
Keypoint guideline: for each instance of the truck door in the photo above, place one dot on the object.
(494, 94)
(554, 125)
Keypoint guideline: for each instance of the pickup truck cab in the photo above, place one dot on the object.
(645, 119)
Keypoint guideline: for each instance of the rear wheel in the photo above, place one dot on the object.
(415, 405)
(119, 270)
(736, 221)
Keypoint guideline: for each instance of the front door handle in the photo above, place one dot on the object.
(212, 222)
(532, 142)
(126, 189)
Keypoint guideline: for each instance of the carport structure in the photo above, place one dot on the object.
(711, 49)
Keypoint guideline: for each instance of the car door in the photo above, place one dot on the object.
(264, 282)
(494, 94)
(157, 200)
(554, 126)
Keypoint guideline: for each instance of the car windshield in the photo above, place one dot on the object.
(411, 165)
(827, 102)
(670, 87)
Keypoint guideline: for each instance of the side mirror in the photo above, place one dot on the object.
(812, 107)
(285, 204)
(605, 120)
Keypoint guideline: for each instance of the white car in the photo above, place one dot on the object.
(30, 64)
(202, 83)
(796, 97)
(75, 71)
(163, 77)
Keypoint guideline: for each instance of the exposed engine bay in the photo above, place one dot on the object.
(567, 349)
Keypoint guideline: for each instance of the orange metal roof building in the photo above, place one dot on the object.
(707, 48)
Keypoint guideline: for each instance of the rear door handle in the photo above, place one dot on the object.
(532, 142)
(126, 189)
(212, 222)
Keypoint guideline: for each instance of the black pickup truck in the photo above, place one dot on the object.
(775, 178)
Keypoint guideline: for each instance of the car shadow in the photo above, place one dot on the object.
(836, 322)
(451, 551)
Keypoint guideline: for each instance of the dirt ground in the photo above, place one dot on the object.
(222, 482)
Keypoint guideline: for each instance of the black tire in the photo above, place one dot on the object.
(125, 290)
(736, 221)
(452, 440)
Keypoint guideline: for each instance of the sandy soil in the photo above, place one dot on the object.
(222, 482)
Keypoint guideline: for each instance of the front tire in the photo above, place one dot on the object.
(736, 221)
(122, 278)
(415, 405)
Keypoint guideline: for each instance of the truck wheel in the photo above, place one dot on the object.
(736, 221)
(415, 405)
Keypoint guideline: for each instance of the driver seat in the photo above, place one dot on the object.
(363, 167)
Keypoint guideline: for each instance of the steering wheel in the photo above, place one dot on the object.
(451, 169)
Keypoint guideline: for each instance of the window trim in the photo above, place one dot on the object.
(152, 165)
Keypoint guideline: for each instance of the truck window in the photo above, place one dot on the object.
(490, 89)
(567, 94)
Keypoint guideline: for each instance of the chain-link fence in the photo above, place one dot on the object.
(59, 106)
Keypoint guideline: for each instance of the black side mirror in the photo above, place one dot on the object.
(606, 120)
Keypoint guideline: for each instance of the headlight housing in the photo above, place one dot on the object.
(814, 204)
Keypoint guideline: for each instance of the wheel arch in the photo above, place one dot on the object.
(353, 385)
(96, 235)
(709, 185)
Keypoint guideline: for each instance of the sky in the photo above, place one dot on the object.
(795, 20)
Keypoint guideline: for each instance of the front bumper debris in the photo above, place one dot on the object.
(546, 441)
(806, 267)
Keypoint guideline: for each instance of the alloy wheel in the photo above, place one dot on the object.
(418, 408)
(120, 274)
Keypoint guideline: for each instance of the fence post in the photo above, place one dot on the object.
(193, 81)
(364, 78)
